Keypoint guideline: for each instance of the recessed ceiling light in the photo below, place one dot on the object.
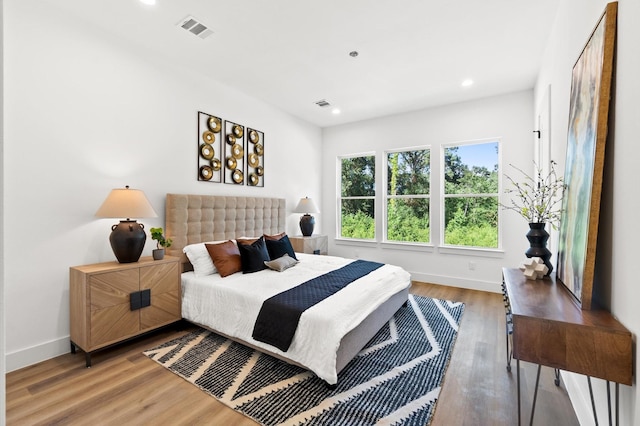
(466, 83)
(148, 2)
(353, 53)
(336, 111)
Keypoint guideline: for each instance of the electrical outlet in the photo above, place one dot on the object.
(472, 266)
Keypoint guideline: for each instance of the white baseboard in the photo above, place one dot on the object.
(38, 353)
(492, 287)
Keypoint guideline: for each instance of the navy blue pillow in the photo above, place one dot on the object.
(278, 248)
(253, 256)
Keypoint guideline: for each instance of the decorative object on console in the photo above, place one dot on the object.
(128, 237)
(537, 200)
(158, 235)
(538, 237)
(534, 268)
(587, 136)
(209, 141)
(307, 222)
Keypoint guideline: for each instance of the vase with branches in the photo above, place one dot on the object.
(538, 199)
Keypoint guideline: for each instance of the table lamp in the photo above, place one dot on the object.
(306, 206)
(128, 237)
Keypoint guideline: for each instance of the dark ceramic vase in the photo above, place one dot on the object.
(538, 237)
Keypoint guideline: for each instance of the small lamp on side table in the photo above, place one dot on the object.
(128, 237)
(307, 222)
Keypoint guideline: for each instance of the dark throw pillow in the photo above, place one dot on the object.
(253, 256)
(278, 248)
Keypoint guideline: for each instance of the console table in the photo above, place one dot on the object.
(549, 328)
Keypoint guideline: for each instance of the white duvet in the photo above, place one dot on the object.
(230, 305)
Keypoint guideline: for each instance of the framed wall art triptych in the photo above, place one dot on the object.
(229, 152)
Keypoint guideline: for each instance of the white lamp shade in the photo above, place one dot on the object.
(306, 205)
(129, 203)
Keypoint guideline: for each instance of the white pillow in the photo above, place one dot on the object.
(281, 263)
(200, 259)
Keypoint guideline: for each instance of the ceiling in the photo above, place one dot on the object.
(413, 54)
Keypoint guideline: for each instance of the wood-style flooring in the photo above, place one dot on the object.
(124, 387)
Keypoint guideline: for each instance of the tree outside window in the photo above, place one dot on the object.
(407, 196)
(471, 194)
(357, 197)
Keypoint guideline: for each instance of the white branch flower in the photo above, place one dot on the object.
(537, 200)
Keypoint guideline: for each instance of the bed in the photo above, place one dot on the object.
(329, 334)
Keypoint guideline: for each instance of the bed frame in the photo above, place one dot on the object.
(192, 219)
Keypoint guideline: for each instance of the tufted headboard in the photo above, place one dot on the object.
(194, 219)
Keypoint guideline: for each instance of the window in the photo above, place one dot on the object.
(470, 197)
(357, 197)
(407, 196)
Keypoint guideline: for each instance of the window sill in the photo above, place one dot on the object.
(423, 247)
(355, 242)
(472, 251)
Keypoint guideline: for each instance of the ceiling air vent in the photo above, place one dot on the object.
(323, 103)
(195, 27)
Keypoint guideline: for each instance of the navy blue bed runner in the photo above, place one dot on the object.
(278, 318)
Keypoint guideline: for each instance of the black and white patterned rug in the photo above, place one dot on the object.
(395, 379)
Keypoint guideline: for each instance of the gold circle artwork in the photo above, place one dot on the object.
(208, 137)
(231, 163)
(254, 137)
(237, 176)
(214, 124)
(206, 151)
(259, 149)
(215, 164)
(237, 151)
(260, 170)
(253, 179)
(237, 131)
(231, 139)
(206, 173)
(253, 160)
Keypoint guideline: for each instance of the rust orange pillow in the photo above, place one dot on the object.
(225, 257)
(274, 237)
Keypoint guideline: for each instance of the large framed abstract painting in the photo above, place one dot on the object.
(588, 114)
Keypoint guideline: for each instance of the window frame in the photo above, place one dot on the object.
(339, 197)
(443, 196)
(386, 196)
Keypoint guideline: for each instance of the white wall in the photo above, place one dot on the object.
(616, 277)
(508, 117)
(86, 112)
(2, 309)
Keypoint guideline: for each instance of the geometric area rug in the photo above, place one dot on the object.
(395, 379)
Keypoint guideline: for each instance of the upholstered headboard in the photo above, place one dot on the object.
(194, 219)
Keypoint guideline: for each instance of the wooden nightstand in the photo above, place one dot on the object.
(315, 244)
(111, 302)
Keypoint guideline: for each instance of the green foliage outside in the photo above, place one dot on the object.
(408, 175)
(358, 225)
(408, 220)
(471, 215)
(358, 214)
(471, 220)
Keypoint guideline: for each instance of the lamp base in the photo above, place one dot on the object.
(307, 222)
(127, 240)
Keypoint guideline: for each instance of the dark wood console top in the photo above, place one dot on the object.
(550, 328)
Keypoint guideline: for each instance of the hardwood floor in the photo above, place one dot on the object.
(125, 387)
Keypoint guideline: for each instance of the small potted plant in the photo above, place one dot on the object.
(158, 235)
